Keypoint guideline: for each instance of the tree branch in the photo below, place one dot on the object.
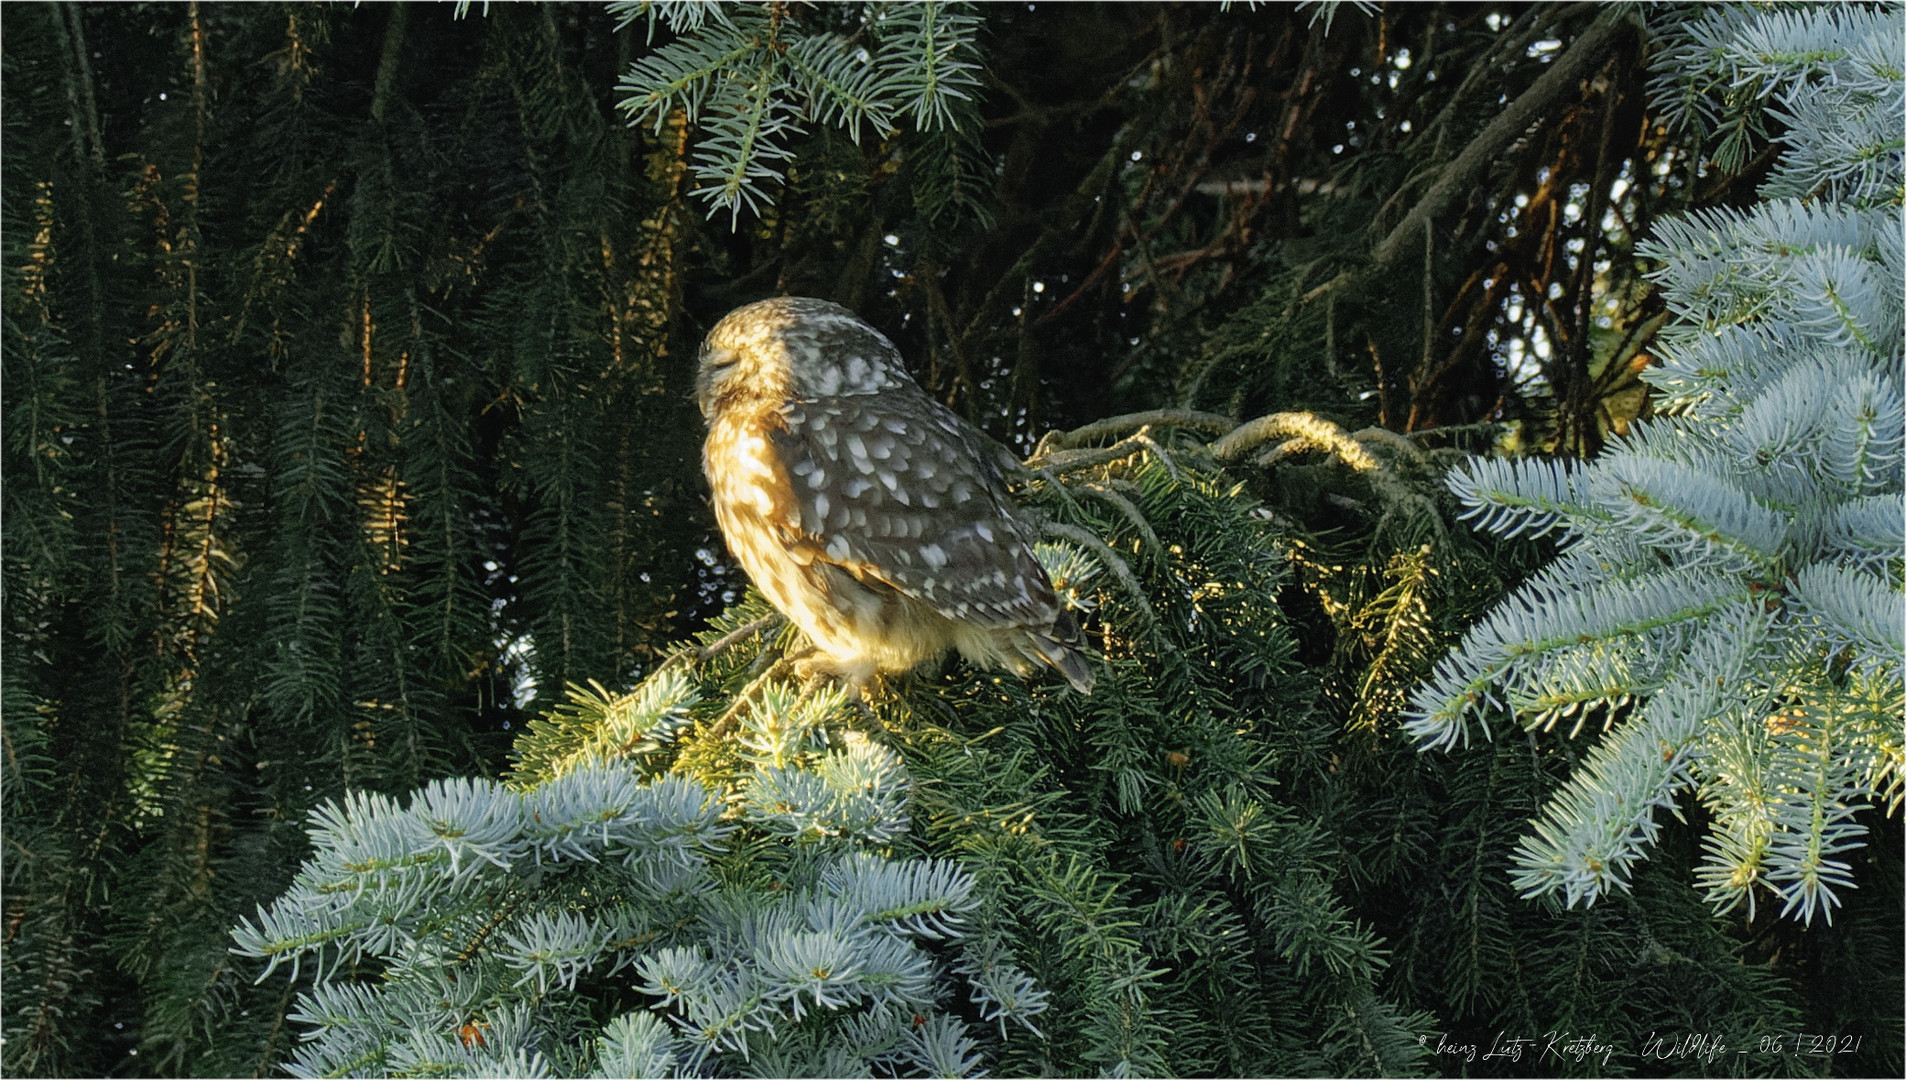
(1214, 423)
(1460, 176)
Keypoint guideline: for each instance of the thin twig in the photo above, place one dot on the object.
(1132, 514)
(1306, 428)
(1445, 431)
(1143, 438)
(1377, 436)
(1120, 569)
(720, 645)
(1067, 461)
(721, 723)
(1213, 423)
(1070, 461)
(1058, 485)
(1459, 177)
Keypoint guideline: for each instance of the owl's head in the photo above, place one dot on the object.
(793, 347)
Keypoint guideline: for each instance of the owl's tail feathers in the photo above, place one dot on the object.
(1064, 658)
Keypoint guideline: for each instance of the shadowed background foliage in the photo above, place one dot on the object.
(348, 420)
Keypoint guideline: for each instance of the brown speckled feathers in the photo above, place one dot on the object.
(865, 510)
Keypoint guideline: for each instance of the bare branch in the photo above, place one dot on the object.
(1132, 514)
(1554, 88)
(1212, 423)
(1305, 429)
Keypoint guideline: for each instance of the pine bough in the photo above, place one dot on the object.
(1729, 598)
(749, 76)
(477, 929)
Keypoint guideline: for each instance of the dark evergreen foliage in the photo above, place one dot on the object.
(347, 424)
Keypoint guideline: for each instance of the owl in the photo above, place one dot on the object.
(867, 512)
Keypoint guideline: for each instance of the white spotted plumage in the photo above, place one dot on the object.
(867, 512)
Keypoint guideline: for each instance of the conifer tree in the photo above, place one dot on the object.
(1728, 605)
(757, 918)
(1110, 880)
(348, 434)
(749, 78)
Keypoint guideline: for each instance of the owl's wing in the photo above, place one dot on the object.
(893, 487)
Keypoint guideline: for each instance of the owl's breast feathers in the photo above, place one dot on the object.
(876, 522)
